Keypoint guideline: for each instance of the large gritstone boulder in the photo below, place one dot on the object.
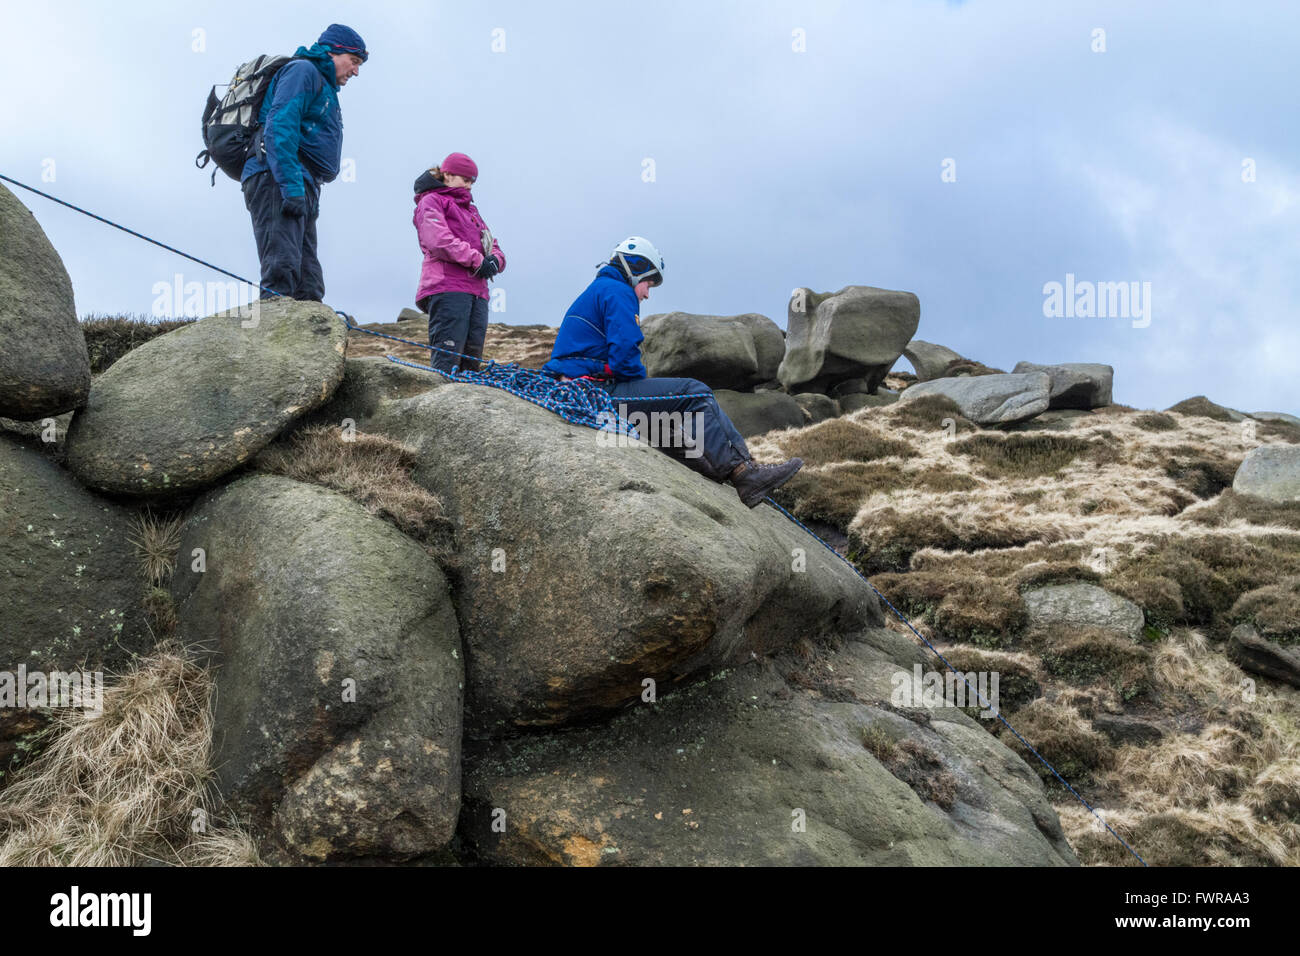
(190, 406)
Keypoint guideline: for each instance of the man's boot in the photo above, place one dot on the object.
(753, 481)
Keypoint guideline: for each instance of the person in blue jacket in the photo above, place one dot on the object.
(298, 147)
(600, 340)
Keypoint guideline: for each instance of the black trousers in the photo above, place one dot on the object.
(457, 324)
(286, 246)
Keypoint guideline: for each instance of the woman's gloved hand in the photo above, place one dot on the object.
(489, 268)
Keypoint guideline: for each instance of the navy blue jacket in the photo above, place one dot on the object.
(301, 140)
(600, 335)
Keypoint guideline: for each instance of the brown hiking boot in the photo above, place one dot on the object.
(753, 481)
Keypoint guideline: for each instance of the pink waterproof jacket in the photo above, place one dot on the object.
(451, 231)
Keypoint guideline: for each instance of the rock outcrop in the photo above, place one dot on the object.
(754, 413)
(734, 352)
(588, 566)
(190, 406)
(338, 670)
(1270, 472)
(71, 587)
(990, 399)
(929, 360)
(44, 365)
(773, 763)
(858, 332)
(1075, 384)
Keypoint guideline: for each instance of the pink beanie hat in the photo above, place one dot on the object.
(458, 164)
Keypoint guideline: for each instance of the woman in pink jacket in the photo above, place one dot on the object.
(460, 256)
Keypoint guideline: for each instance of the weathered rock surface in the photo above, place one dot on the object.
(777, 762)
(723, 351)
(1260, 656)
(1124, 729)
(929, 360)
(817, 407)
(44, 365)
(367, 382)
(1079, 604)
(990, 399)
(1271, 472)
(71, 587)
(1075, 384)
(188, 407)
(588, 566)
(1276, 417)
(858, 332)
(338, 672)
(754, 413)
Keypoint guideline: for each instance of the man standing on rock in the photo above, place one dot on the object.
(298, 147)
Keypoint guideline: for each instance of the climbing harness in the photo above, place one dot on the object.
(580, 401)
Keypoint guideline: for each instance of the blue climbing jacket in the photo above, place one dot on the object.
(301, 139)
(600, 334)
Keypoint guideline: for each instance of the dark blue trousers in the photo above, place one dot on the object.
(457, 323)
(286, 246)
(717, 446)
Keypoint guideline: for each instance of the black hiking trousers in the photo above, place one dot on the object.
(286, 245)
(457, 324)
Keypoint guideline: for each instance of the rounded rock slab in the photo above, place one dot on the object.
(190, 406)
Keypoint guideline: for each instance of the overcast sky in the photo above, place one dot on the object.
(761, 146)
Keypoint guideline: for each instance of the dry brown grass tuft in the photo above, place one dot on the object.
(842, 440)
(1086, 655)
(156, 539)
(1221, 795)
(928, 413)
(1029, 455)
(373, 470)
(1063, 737)
(126, 787)
(1230, 509)
(975, 609)
(1156, 422)
(1274, 610)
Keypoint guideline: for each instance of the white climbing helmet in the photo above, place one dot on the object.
(638, 246)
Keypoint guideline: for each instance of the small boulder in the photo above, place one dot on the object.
(1123, 729)
(1271, 472)
(44, 364)
(1075, 384)
(1079, 604)
(990, 399)
(734, 352)
(858, 332)
(929, 360)
(188, 407)
(1260, 656)
(817, 408)
(1282, 417)
(754, 413)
